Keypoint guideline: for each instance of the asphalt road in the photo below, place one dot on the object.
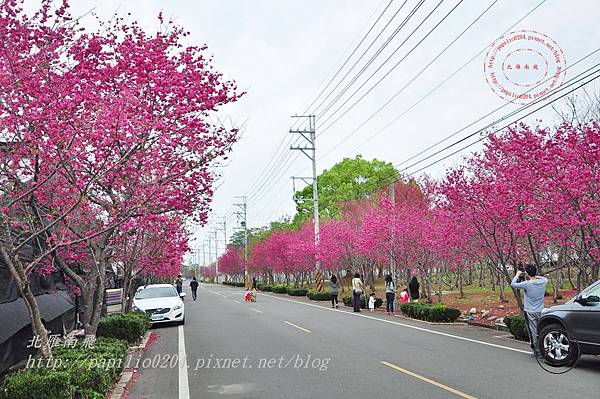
(281, 347)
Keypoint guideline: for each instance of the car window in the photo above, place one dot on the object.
(156, 292)
(594, 290)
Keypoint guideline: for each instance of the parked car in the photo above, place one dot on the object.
(161, 302)
(572, 329)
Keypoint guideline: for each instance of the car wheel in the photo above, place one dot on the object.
(558, 349)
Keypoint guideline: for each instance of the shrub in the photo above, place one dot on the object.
(266, 288)
(435, 313)
(297, 291)
(127, 326)
(363, 304)
(517, 327)
(234, 283)
(38, 383)
(78, 372)
(280, 289)
(319, 296)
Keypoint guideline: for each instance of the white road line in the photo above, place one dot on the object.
(298, 327)
(404, 325)
(256, 310)
(184, 386)
(236, 301)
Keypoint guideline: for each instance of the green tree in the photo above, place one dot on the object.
(347, 180)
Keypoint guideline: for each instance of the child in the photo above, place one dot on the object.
(372, 303)
(253, 295)
(404, 297)
(247, 297)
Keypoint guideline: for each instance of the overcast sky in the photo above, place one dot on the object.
(283, 52)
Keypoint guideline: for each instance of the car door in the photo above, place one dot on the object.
(585, 320)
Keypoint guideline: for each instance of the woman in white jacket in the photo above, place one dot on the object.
(358, 289)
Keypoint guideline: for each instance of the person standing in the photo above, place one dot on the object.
(357, 290)
(254, 282)
(535, 288)
(194, 287)
(413, 289)
(334, 289)
(390, 294)
(179, 284)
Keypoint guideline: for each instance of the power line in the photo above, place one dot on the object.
(267, 169)
(424, 96)
(571, 82)
(383, 64)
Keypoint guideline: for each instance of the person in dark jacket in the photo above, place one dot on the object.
(390, 294)
(334, 288)
(413, 289)
(179, 284)
(194, 287)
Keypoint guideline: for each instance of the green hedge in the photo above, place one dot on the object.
(78, 372)
(319, 296)
(266, 288)
(297, 291)
(517, 327)
(279, 289)
(234, 284)
(435, 313)
(127, 326)
(363, 304)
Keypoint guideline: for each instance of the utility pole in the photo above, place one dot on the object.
(216, 256)
(218, 229)
(392, 257)
(243, 214)
(309, 135)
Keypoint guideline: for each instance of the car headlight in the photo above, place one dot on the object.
(177, 307)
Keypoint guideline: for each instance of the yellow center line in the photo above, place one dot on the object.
(425, 379)
(256, 310)
(298, 327)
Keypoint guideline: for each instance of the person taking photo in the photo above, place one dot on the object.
(535, 288)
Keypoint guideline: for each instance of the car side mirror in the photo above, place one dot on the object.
(593, 300)
(587, 300)
(182, 295)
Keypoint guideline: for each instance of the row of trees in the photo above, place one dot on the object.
(106, 149)
(531, 195)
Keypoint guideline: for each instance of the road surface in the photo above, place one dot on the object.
(281, 346)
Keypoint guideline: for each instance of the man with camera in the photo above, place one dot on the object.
(535, 288)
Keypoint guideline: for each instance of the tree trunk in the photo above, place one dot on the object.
(461, 284)
(40, 333)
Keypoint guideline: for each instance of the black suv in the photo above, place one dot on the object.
(571, 329)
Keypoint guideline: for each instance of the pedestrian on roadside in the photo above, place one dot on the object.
(404, 297)
(254, 282)
(372, 302)
(535, 288)
(334, 289)
(253, 294)
(179, 284)
(358, 289)
(248, 296)
(413, 289)
(194, 287)
(390, 294)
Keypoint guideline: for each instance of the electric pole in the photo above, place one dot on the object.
(243, 214)
(221, 227)
(310, 151)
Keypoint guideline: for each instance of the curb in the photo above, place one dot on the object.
(120, 388)
(458, 323)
